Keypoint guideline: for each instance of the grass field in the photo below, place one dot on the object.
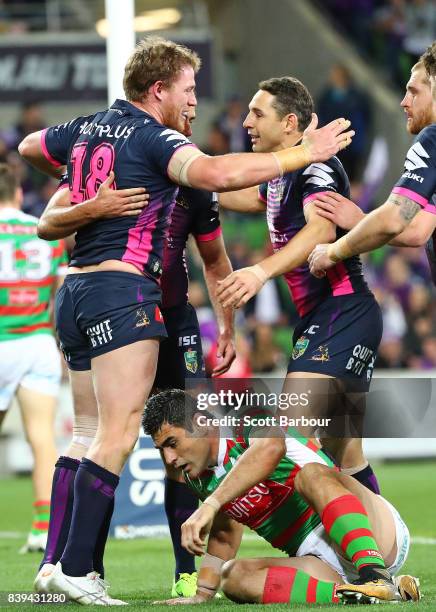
(140, 571)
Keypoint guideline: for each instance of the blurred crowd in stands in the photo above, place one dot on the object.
(399, 277)
(391, 33)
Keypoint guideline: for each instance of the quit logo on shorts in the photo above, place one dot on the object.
(100, 334)
(300, 347)
(363, 357)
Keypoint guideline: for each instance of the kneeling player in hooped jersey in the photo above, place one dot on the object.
(342, 540)
(341, 324)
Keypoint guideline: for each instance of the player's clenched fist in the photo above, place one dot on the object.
(319, 261)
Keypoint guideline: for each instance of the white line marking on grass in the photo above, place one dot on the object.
(12, 535)
(425, 541)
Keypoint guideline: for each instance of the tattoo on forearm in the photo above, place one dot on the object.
(408, 208)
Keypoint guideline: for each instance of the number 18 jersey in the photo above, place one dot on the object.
(128, 141)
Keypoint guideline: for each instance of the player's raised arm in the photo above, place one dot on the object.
(61, 219)
(188, 166)
(32, 149)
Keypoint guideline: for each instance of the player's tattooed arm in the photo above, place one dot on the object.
(375, 230)
(407, 207)
(418, 232)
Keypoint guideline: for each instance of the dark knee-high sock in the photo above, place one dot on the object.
(368, 479)
(94, 489)
(61, 507)
(102, 539)
(180, 503)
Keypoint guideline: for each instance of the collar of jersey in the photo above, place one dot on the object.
(130, 109)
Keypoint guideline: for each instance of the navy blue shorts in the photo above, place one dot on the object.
(98, 312)
(339, 338)
(180, 355)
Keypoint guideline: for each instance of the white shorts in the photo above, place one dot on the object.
(32, 362)
(318, 544)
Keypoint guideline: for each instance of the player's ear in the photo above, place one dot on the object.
(157, 89)
(290, 123)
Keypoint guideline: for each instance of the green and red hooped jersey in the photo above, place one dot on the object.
(272, 508)
(29, 267)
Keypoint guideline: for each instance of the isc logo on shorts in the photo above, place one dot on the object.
(187, 340)
(100, 334)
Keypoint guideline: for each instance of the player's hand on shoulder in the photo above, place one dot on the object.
(340, 210)
(323, 143)
(238, 287)
(110, 202)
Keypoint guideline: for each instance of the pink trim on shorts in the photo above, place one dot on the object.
(408, 193)
(46, 153)
(313, 196)
(210, 236)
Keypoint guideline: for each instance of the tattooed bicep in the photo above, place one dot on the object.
(408, 208)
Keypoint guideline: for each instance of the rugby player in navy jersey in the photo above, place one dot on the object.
(108, 317)
(419, 109)
(180, 354)
(413, 193)
(338, 313)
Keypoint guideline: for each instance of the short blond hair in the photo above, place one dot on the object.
(429, 60)
(156, 59)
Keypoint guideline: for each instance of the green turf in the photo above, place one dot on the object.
(140, 570)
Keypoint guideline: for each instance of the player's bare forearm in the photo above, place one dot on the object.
(216, 266)
(60, 219)
(254, 466)
(418, 232)
(30, 149)
(244, 200)
(224, 538)
(297, 250)
(382, 224)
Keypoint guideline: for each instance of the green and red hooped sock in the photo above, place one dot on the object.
(347, 523)
(291, 585)
(41, 517)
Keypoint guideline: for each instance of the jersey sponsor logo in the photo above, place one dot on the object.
(363, 357)
(141, 318)
(23, 297)
(300, 347)
(319, 175)
(188, 340)
(311, 330)
(322, 355)
(415, 157)
(100, 334)
(413, 177)
(191, 361)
